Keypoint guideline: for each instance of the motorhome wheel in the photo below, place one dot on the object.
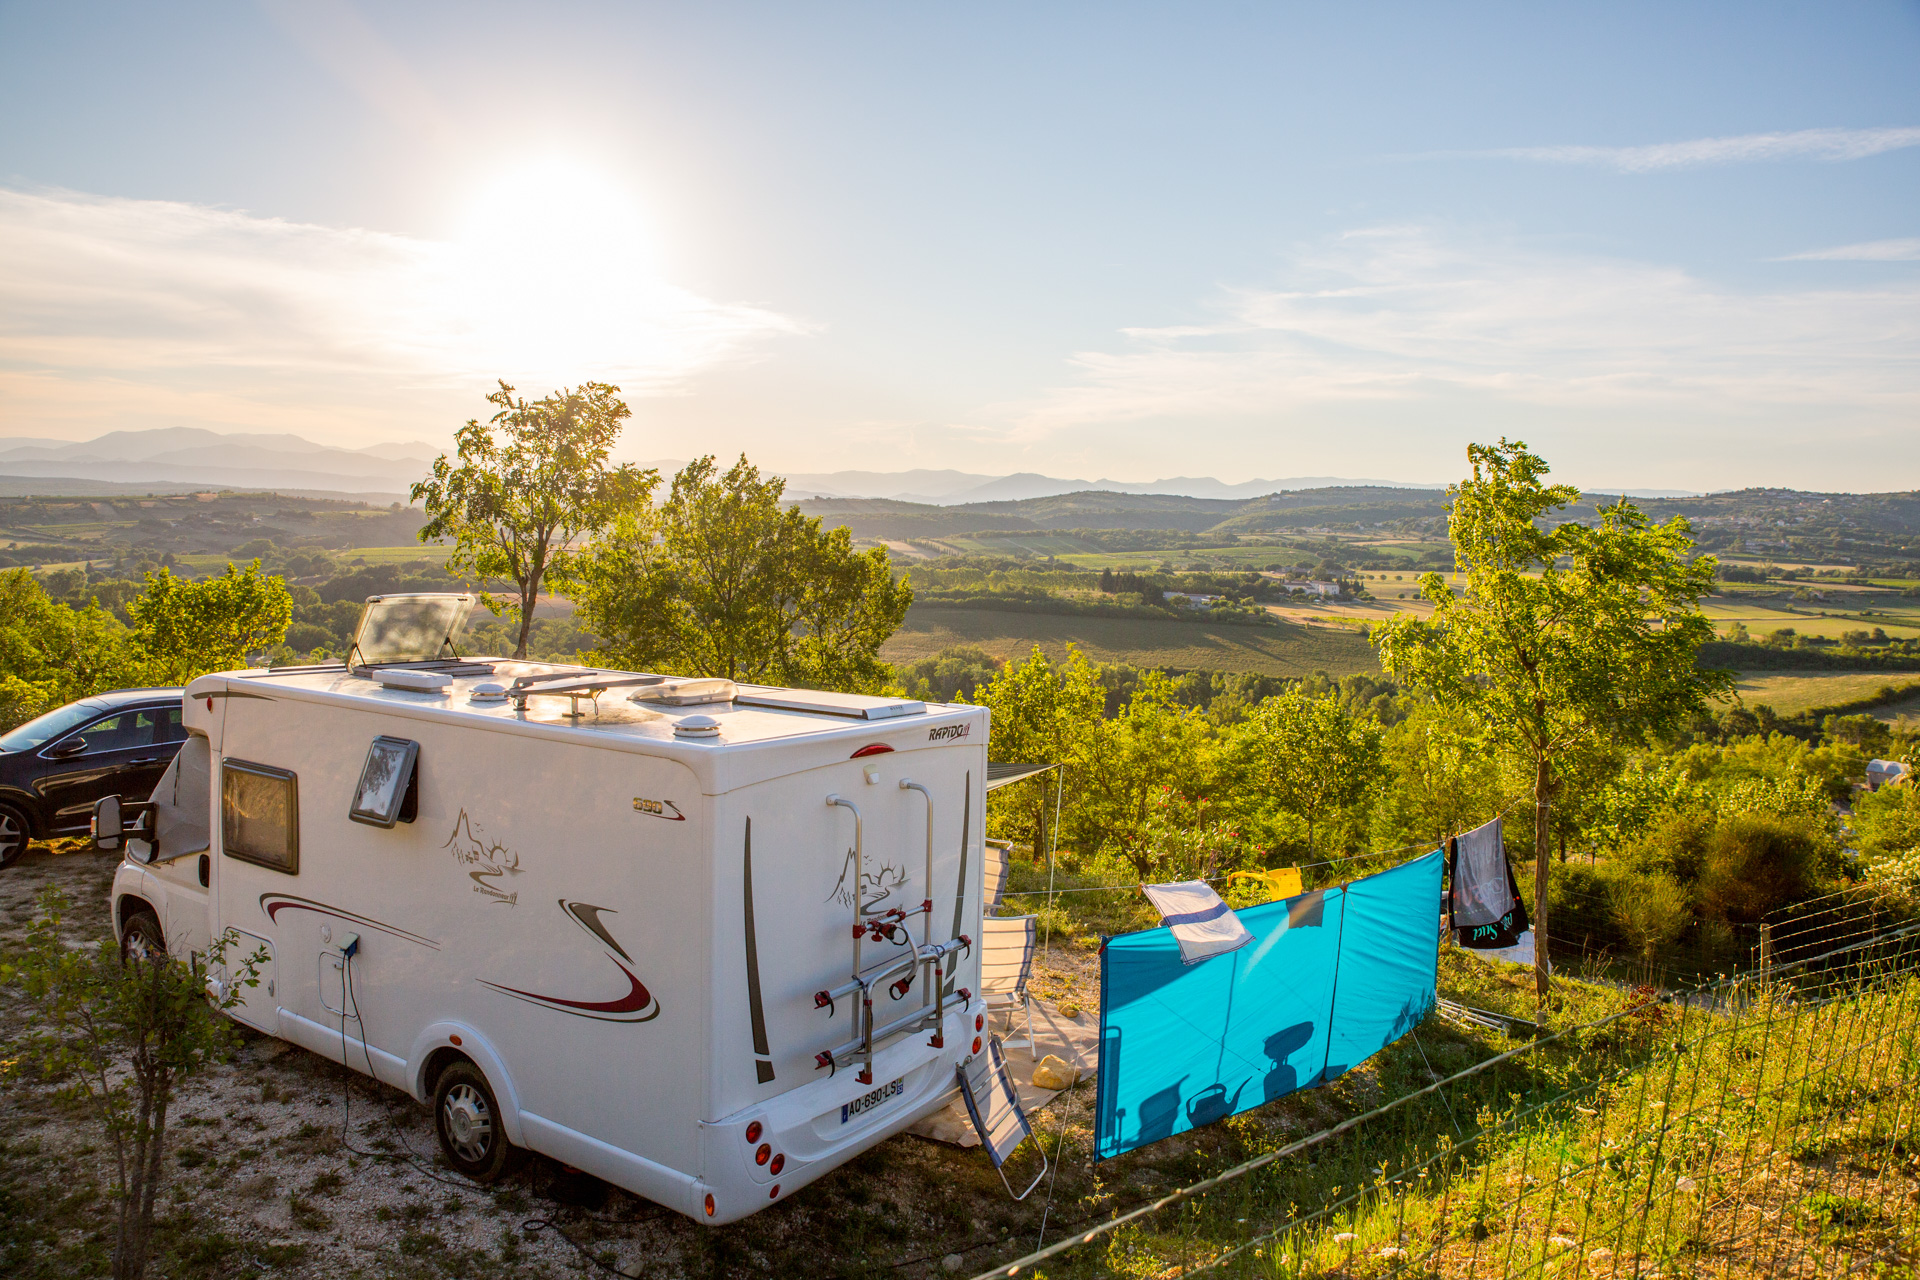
(467, 1120)
(14, 836)
(140, 937)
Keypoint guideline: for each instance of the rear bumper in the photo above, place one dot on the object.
(813, 1129)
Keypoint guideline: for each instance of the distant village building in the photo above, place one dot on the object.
(1192, 600)
(1882, 772)
(1314, 588)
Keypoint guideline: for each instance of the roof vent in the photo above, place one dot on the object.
(413, 681)
(853, 705)
(488, 692)
(697, 727)
(684, 693)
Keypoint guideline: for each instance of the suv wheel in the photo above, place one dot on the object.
(15, 835)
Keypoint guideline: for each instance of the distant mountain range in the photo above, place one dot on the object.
(953, 488)
(174, 456)
(190, 455)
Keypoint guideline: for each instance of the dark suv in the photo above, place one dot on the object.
(53, 768)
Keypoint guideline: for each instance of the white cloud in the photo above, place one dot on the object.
(117, 312)
(1801, 144)
(1866, 251)
(1406, 321)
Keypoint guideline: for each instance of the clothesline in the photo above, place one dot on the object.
(1304, 866)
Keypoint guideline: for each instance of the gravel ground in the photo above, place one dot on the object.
(281, 1162)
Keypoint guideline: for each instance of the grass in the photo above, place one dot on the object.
(1790, 694)
(1761, 1135)
(1289, 649)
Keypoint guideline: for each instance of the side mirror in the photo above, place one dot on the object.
(108, 828)
(71, 747)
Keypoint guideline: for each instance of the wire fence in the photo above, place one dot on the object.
(1829, 923)
(1761, 1125)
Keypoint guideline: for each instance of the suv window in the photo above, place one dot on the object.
(113, 733)
(134, 728)
(48, 727)
(161, 725)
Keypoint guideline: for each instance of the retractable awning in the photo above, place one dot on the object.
(999, 775)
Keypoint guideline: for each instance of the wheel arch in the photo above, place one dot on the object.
(125, 905)
(444, 1043)
(28, 808)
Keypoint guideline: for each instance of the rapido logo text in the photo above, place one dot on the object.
(949, 732)
(659, 809)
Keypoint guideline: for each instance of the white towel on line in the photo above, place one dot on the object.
(1202, 924)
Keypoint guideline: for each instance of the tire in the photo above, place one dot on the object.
(140, 936)
(16, 834)
(466, 1118)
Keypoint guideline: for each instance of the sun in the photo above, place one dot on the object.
(557, 268)
(556, 214)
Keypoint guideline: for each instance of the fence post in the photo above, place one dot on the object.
(1766, 951)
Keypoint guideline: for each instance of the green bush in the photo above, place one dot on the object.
(305, 637)
(1887, 821)
(1756, 862)
(1677, 847)
(1650, 908)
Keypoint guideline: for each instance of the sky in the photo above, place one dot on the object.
(1666, 245)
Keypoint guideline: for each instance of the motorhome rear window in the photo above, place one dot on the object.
(260, 815)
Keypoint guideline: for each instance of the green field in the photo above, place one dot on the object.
(1791, 693)
(1242, 557)
(1289, 649)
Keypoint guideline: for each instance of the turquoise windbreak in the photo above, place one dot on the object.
(1331, 978)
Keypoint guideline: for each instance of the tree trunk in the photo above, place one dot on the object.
(529, 600)
(1542, 852)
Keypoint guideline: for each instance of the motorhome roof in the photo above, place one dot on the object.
(759, 714)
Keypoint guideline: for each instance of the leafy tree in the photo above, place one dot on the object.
(123, 1032)
(1887, 821)
(185, 628)
(1309, 757)
(1446, 779)
(51, 653)
(1042, 713)
(1181, 837)
(955, 673)
(1562, 635)
(528, 485)
(1128, 762)
(726, 580)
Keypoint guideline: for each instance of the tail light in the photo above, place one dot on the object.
(976, 1044)
(754, 1131)
(763, 1154)
(779, 1163)
(709, 1204)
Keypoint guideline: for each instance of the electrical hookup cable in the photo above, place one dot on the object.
(530, 1226)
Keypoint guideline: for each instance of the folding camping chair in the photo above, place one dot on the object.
(1006, 963)
(994, 875)
(993, 1104)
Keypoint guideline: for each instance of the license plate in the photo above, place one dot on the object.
(868, 1101)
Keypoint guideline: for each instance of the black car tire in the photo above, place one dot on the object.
(140, 936)
(466, 1119)
(16, 834)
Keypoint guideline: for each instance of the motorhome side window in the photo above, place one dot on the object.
(260, 815)
(387, 789)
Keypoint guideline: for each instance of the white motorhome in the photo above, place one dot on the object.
(704, 941)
